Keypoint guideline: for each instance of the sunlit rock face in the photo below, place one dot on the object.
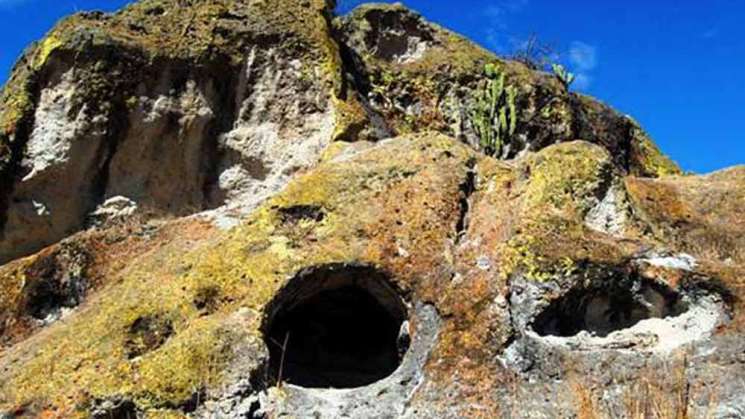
(260, 209)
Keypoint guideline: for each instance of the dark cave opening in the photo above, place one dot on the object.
(604, 308)
(341, 327)
(47, 296)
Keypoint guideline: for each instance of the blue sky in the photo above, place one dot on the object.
(678, 67)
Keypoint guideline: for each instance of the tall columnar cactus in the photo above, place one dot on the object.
(494, 114)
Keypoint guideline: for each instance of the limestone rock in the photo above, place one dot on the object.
(179, 109)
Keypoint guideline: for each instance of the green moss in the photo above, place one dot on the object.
(16, 103)
(549, 204)
(518, 256)
(191, 362)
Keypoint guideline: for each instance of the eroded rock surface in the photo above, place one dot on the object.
(257, 209)
(214, 105)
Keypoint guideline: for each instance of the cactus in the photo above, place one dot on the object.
(493, 114)
(565, 77)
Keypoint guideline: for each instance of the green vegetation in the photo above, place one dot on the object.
(565, 77)
(494, 115)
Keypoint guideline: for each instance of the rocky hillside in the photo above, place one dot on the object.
(255, 208)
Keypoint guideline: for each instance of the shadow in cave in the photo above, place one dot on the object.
(342, 329)
(604, 308)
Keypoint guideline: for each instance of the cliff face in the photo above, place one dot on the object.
(254, 208)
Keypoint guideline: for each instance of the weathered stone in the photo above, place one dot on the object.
(214, 105)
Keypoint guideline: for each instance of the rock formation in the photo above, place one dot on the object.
(255, 208)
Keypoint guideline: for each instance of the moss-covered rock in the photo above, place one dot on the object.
(404, 207)
(119, 104)
(417, 75)
(244, 268)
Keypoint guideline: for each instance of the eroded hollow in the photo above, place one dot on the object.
(605, 307)
(344, 327)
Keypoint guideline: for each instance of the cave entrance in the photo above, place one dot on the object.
(605, 307)
(336, 326)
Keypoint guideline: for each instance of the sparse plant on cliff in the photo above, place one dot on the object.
(535, 53)
(493, 114)
(565, 77)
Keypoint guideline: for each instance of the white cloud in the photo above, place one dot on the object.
(494, 38)
(582, 56)
(583, 59)
(495, 18)
(501, 8)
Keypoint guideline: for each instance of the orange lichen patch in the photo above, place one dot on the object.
(670, 277)
(727, 280)
(115, 248)
(471, 378)
(702, 215)
(417, 223)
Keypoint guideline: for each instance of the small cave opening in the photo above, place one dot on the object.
(394, 35)
(336, 326)
(47, 298)
(608, 306)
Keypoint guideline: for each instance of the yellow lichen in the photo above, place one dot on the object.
(647, 159)
(552, 185)
(350, 119)
(47, 46)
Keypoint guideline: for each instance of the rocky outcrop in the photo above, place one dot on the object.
(415, 75)
(256, 209)
(232, 98)
(177, 109)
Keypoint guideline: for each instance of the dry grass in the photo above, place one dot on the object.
(660, 392)
(586, 401)
(648, 400)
